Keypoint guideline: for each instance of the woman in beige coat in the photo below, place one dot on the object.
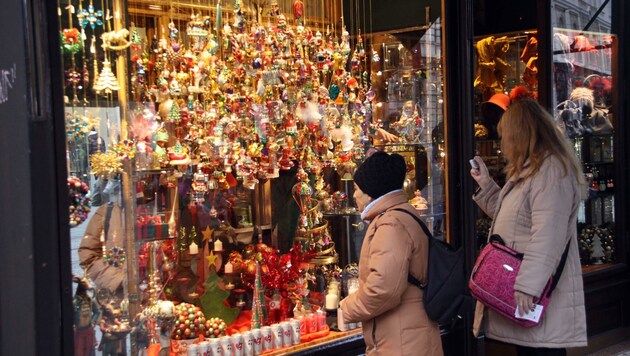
(536, 214)
(390, 309)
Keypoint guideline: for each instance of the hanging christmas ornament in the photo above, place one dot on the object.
(298, 12)
(105, 165)
(116, 40)
(219, 17)
(106, 81)
(70, 40)
(90, 16)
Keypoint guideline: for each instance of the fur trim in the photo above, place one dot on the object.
(583, 97)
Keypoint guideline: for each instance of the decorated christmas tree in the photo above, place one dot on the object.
(173, 114)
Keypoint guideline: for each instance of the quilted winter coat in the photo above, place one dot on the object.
(538, 217)
(391, 310)
(90, 251)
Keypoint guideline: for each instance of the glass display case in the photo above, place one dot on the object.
(410, 104)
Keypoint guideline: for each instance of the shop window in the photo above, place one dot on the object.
(582, 63)
(211, 149)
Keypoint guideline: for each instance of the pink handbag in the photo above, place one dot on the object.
(493, 277)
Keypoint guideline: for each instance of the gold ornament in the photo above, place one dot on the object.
(106, 80)
(106, 164)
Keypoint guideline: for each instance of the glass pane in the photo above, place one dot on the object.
(409, 85)
(506, 66)
(583, 51)
(201, 139)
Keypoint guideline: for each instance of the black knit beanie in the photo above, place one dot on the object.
(380, 174)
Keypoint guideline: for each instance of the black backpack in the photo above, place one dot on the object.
(444, 299)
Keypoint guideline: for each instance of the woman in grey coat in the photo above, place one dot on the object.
(536, 214)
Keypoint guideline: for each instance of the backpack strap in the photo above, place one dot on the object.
(411, 279)
(108, 216)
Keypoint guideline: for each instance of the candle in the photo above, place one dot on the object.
(332, 301)
(218, 245)
(193, 249)
(229, 268)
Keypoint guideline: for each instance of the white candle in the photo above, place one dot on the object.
(332, 301)
(218, 245)
(228, 268)
(193, 249)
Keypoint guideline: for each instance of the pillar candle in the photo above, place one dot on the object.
(332, 301)
(193, 249)
(228, 268)
(218, 245)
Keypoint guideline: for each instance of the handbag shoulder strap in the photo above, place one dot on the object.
(411, 279)
(560, 268)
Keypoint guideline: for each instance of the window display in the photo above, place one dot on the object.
(583, 109)
(582, 91)
(210, 147)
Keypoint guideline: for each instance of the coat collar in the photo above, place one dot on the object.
(386, 202)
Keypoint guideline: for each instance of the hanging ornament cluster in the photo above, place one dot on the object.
(79, 206)
(251, 100)
(78, 126)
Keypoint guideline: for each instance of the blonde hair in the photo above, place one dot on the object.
(528, 132)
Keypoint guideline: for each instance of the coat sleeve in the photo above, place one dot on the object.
(387, 278)
(90, 252)
(487, 198)
(552, 197)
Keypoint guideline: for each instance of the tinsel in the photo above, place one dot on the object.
(106, 164)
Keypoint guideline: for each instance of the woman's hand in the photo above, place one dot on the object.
(385, 136)
(524, 302)
(481, 174)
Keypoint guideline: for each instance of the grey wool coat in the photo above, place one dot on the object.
(391, 310)
(538, 217)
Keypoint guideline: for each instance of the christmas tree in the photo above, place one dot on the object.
(597, 251)
(212, 300)
(259, 312)
(173, 114)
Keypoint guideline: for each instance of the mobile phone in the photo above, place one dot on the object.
(474, 164)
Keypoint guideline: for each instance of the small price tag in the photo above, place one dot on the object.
(533, 314)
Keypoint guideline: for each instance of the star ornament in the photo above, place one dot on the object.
(207, 234)
(211, 258)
